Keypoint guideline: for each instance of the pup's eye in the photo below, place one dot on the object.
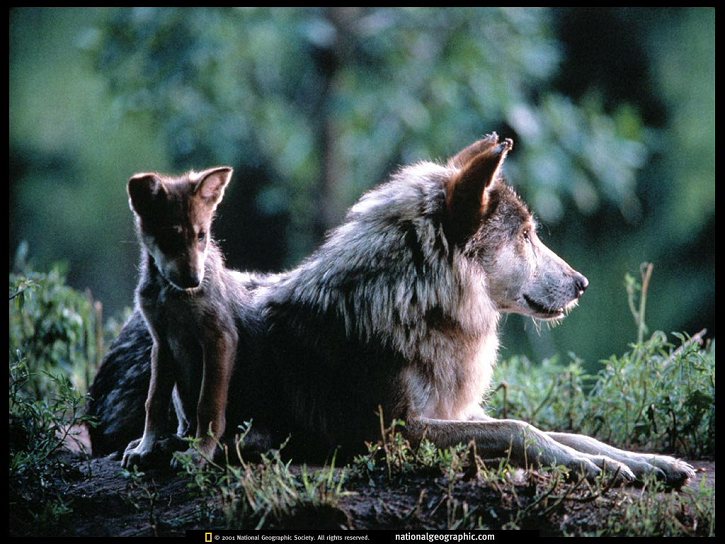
(525, 235)
(201, 236)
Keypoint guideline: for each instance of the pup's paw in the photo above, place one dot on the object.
(200, 455)
(140, 453)
(151, 452)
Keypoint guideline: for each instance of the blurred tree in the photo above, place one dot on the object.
(332, 99)
(634, 62)
(312, 106)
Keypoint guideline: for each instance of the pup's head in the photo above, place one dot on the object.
(490, 224)
(173, 218)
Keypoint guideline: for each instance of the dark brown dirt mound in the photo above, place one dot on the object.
(106, 503)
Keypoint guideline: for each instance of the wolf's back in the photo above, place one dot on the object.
(119, 391)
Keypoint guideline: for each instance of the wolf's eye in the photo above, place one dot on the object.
(201, 236)
(525, 235)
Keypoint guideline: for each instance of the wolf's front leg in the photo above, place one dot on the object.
(673, 472)
(219, 356)
(523, 443)
(143, 452)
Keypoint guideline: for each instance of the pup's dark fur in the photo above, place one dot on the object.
(398, 309)
(191, 305)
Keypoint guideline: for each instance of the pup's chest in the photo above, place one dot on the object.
(177, 317)
(169, 307)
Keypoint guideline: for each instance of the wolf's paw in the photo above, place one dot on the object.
(673, 472)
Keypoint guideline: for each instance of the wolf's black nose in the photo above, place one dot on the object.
(580, 283)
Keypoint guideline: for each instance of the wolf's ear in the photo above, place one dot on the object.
(143, 190)
(466, 195)
(476, 148)
(212, 183)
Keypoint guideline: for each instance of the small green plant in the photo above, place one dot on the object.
(40, 427)
(658, 396)
(142, 494)
(549, 394)
(654, 512)
(53, 341)
(56, 327)
(268, 493)
(394, 454)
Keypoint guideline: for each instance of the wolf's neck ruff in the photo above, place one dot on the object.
(390, 272)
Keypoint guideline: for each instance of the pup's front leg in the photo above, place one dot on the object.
(141, 452)
(219, 356)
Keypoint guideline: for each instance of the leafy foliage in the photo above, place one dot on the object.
(334, 98)
(615, 143)
(52, 332)
(54, 327)
(657, 396)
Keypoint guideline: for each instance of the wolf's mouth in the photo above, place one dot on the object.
(541, 310)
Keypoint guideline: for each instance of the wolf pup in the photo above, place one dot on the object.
(186, 297)
(399, 309)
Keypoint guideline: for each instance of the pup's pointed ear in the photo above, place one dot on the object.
(143, 190)
(212, 183)
(476, 148)
(466, 195)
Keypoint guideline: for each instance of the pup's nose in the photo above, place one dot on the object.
(580, 284)
(189, 280)
(193, 280)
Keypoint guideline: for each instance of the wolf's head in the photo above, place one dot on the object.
(490, 224)
(173, 219)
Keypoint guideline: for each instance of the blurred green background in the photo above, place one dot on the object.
(612, 111)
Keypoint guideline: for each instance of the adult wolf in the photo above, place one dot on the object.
(398, 309)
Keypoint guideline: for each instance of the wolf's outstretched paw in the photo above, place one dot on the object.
(674, 472)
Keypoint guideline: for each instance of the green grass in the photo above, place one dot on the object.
(267, 493)
(654, 512)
